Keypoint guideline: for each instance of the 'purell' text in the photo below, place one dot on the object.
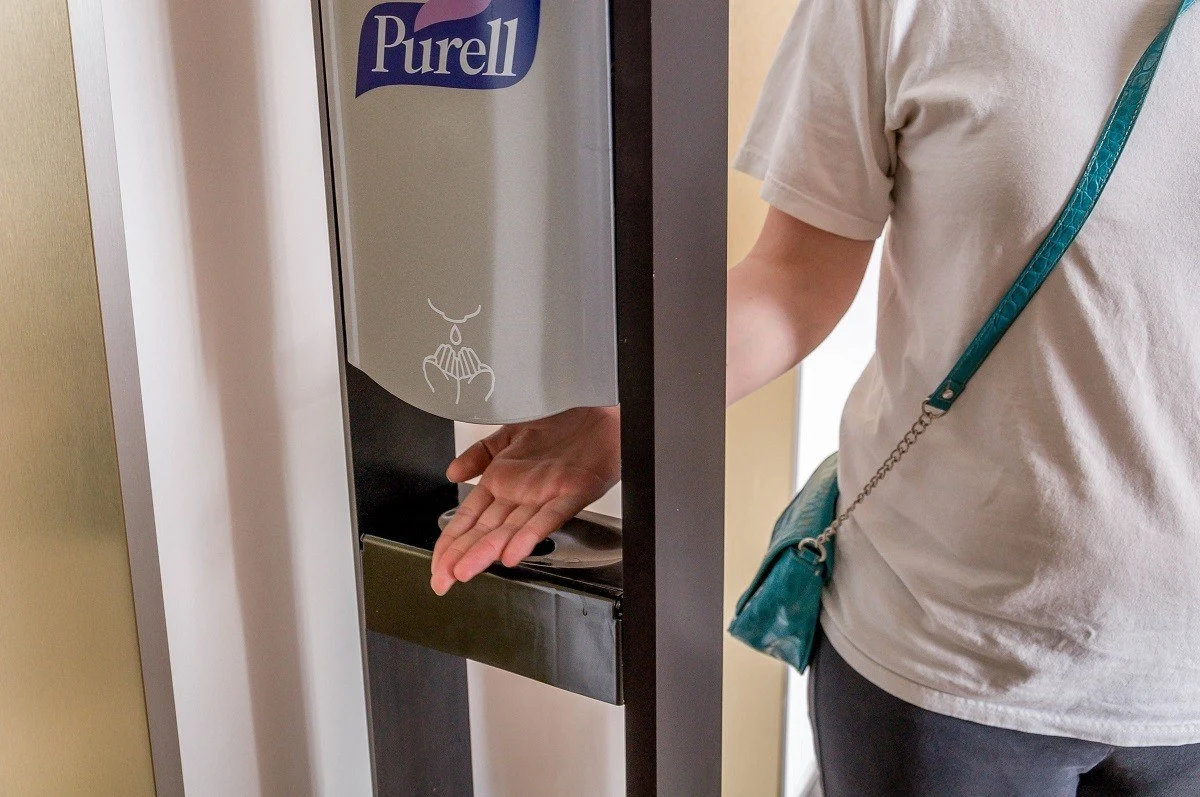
(491, 50)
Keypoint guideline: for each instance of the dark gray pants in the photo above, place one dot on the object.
(871, 744)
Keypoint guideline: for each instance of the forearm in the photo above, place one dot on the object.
(768, 332)
(785, 298)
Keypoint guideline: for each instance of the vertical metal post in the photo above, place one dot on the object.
(670, 83)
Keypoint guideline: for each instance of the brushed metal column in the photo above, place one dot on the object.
(670, 117)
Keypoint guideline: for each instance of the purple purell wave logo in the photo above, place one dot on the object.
(460, 44)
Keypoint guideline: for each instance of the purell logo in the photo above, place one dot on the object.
(460, 44)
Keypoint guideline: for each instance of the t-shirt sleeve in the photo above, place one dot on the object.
(819, 139)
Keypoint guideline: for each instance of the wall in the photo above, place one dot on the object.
(219, 149)
(759, 441)
(72, 710)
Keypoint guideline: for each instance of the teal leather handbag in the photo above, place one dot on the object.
(779, 612)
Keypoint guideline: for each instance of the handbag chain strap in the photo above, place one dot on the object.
(924, 421)
(1049, 254)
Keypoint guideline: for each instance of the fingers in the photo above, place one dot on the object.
(474, 460)
(504, 533)
(540, 525)
(485, 531)
(487, 548)
(467, 514)
(469, 463)
(469, 542)
(449, 568)
(465, 519)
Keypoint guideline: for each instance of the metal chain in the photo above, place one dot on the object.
(924, 421)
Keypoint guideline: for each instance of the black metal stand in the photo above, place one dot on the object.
(670, 103)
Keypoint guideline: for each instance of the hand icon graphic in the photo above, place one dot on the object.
(456, 363)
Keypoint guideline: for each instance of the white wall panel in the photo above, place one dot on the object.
(218, 138)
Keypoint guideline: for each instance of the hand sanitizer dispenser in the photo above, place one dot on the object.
(475, 192)
(472, 166)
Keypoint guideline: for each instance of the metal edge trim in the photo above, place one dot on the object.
(319, 58)
(120, 343)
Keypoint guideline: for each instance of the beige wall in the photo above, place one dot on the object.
(72, 712)
(760, 440)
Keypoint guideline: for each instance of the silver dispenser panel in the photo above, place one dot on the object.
(473, 181)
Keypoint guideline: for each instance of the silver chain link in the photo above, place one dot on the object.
(924, 421)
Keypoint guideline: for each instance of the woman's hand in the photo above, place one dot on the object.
(535, 477)
(784, 299)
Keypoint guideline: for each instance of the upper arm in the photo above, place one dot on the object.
(814, 263)
(786, 296)
(820, 138)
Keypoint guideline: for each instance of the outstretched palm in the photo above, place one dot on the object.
(535, 477)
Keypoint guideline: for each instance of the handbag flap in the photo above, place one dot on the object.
(809, 513)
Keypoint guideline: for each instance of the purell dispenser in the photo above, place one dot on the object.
(482, 156)
(472, 162)
(471, 166)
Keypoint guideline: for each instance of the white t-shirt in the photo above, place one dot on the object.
(1034, 562)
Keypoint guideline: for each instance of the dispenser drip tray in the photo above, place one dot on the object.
(588, 541)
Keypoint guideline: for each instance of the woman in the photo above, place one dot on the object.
(1016, 611)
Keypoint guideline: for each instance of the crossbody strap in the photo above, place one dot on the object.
(1070, 221)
